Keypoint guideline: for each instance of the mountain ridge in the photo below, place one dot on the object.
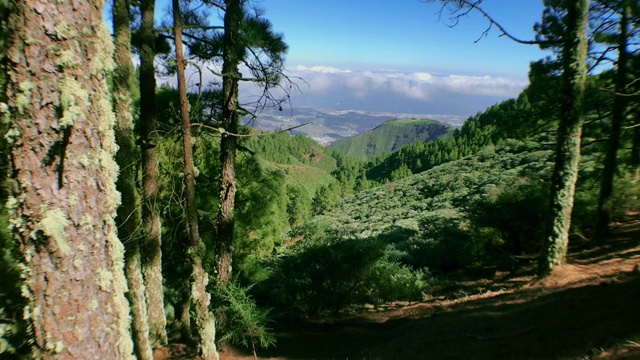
(391, 136)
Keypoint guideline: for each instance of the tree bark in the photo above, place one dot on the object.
(128, 215)
(151, 244)
(565, 172)
(64, 194)
(231, 56)
(635, 149)
(205, 323)
(617, 119)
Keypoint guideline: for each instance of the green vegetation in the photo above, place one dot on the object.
(390, 136)
(384, 216)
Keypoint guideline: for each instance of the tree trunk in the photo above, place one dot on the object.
(635, 150)
(128, 215)
(205, 323)
(151, 244)
(617, 119)
(64, 194)
(565, 171)
(231, 55)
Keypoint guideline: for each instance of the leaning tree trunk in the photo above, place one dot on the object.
(617, 119)
(205, 323)
(64, 195)
(128, 219)
(231, 55)
(151, 244)
(565, 171)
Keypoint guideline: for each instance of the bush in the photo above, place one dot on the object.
(331, 275)
(247, 324)
(515, 218)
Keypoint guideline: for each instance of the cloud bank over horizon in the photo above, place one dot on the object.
(384, 90)
(396, 91)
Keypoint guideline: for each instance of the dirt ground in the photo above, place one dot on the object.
(588, 309)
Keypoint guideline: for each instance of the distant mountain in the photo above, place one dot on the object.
(391, 136)
(327, 126)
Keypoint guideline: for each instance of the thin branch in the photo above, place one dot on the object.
(186, 27)
(220, 130)
(492, 22)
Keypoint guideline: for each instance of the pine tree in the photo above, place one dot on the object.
(151, 244)
(618, 116)
(128, 219)
(565, 171)
(205, 323)
(64, 194)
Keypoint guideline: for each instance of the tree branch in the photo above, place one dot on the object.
(474, 5)
(221, 131)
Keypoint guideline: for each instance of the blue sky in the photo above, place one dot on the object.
(404, 35)
(395, 56)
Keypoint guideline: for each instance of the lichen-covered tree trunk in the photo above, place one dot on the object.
(64, 194)
(617, 119)
(565, 171)
(151, 237)
(635, 149)
(231, 55)
(200, 298)
(128, 219)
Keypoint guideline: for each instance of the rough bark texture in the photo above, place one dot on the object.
(635, 151)
(565, 172)
(151, 244)
(128, 219)
(231, 55)
(64, 196)
(617, 119)
(205, 323)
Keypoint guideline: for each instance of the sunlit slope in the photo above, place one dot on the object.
(391, 136)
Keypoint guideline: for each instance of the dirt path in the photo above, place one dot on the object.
(588, 309)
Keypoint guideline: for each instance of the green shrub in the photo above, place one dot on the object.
(515, 217)
(246, 324)
(330, 275)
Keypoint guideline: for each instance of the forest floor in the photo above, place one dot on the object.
(588, 309)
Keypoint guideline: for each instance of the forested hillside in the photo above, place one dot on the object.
(390, 137)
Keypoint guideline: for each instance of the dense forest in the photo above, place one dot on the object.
(136, 216)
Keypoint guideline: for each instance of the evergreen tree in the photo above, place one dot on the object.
(200, 298)
(621, 39)
(569, 136)
(148, 134)
(65, 199)
(128, 219)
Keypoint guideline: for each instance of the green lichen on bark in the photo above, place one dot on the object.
(73, 99)
(104, 279)
(64, 31)
(54, 224)
(23, 98)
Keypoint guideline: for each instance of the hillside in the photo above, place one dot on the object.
(326, 126)
(391, 136)
(443, 191)
(584, 311)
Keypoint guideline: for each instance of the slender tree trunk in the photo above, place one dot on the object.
(617, 119)
(635, 150)
(565, 172)
(64, 194)
(151, 245)
(231, 55)
(128, 215)
(205, 323)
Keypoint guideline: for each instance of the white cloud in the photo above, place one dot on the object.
(322, 69)
(417, 85)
